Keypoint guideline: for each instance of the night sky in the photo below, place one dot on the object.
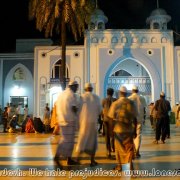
(122, 14)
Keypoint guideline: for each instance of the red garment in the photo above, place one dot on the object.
(29, 126)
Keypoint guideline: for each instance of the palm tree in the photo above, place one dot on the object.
(55, 16)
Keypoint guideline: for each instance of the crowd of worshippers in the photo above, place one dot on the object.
(120, 118)
(14, 122)
(122, 121)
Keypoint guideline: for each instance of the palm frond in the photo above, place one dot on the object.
(82, 2)
(67, 10)
(73, 4)
(57, 9)
(32, 8)
(49, 13)
(50, 26)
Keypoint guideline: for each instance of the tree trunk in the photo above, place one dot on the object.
(63, 53)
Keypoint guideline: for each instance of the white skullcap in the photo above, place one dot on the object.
(162, 94)
(71, 83)
(134, 87)
(88, 85)
(14, 116)
(123, 89)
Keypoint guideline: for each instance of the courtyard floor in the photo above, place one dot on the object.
(25, 156)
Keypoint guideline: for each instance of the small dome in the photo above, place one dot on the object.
(99, 14)
(158, 14)
(97, 20)
(158, 11)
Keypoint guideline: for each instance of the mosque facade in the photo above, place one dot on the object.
(109, 58)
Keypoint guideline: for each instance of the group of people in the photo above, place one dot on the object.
(17, 119)
(77, 113)
(10, 114)
(122, 120)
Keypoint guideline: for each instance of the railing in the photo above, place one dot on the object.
(143, 83)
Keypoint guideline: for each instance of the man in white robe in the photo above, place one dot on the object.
(90, 111)
(140, 104)
(67, 107)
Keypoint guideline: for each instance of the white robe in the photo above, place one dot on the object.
(90, 111)
(66, 100)
(67, 120)
(140, 104)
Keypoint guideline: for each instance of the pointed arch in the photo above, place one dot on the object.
(56, 68)
(25, 85)
(148, 66)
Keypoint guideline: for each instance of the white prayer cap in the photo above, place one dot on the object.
(71, 83)
(14, 116)
(134, 87)
(162, 94)
(123, 89)
(88, 85)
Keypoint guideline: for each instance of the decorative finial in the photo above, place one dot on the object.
(96, 4)
(157, 4)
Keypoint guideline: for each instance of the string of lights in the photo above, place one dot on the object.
(44, 53)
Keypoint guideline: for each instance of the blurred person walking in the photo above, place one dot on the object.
(178, 116)
(88, 122)
(46, 119)
(107, 123)
(67, 113)
(123, 112)
(25, 111)
(5, 119)
(140, 104)
(162, 106)
(151, 108)
(176, 112)
(54, 121)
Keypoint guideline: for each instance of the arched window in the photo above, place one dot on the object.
(156, 26)
(56, 69)
(92, 26)
(100, 25)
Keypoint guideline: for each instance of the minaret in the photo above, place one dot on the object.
(98, 19)
(158, 19)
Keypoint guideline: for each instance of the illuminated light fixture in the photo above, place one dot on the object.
(55, 89)
(18, 90)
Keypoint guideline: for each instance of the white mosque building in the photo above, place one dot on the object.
(109, 58)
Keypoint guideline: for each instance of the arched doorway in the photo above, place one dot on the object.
(18, 88)
(129, 71)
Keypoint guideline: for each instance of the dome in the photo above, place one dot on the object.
(99, 14)
(158, 11)
(97, 20)
(159, 14)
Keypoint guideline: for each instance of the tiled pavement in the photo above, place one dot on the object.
(31, 156)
